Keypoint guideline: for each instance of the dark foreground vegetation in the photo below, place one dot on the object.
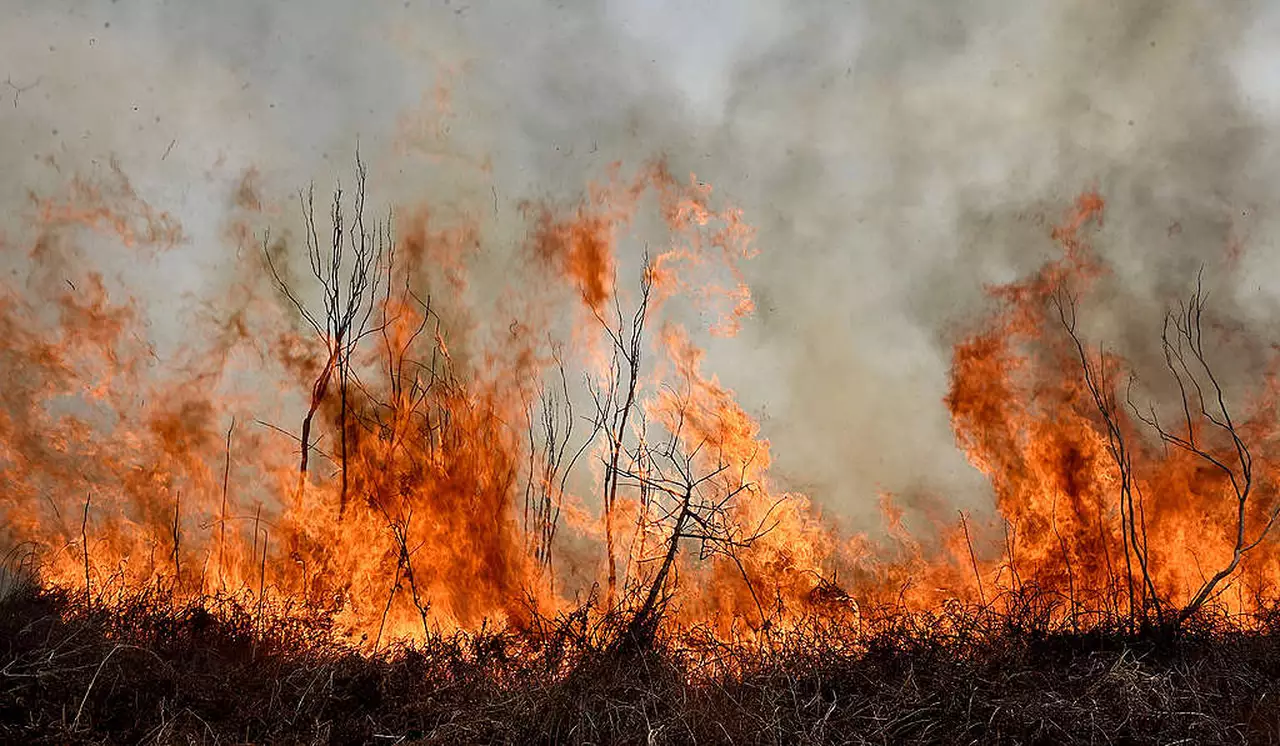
(143, 673)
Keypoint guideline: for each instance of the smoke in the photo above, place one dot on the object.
(895, 156)
(899, 157)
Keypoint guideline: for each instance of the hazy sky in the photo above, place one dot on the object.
(896, 155)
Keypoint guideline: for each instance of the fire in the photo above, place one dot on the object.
(420, 428)
(1090, 488)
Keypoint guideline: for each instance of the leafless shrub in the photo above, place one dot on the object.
(352, 270)
(1204, 406)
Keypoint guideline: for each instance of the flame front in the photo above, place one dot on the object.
(122, 471)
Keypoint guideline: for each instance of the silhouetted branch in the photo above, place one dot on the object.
(1203, 401)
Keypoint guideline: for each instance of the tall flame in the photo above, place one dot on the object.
(123, 471)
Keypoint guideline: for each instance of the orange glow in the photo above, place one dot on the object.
(124, 471)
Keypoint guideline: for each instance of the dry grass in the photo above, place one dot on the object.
(143, 673)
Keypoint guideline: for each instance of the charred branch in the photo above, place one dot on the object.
(1099, 380)
(352, 271)
(694, 495)
(1204, 407)
(615, 402)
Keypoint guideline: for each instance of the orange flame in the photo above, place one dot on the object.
(124, 472)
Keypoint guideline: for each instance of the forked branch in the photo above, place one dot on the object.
(1204, 407)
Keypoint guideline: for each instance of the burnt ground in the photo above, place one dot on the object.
(213, 673)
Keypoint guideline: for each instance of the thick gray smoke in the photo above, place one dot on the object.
(896, 156)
